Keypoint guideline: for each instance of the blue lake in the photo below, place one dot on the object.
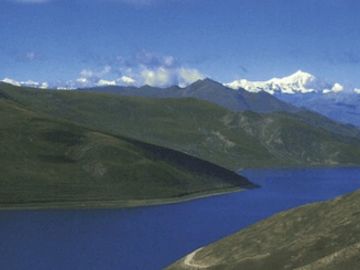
(153, 237)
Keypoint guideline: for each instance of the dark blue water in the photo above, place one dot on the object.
(153, 237)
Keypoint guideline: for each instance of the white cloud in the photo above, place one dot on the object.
(29, 83)
(142, 68)
(90, 78)
(162, 76)
(127, 80)
(11, 81)
(159, 70)
(106, 83)
(188, 76)
(157, 77)
(337, 88)
(82, 81)
(64, 88)
(44, 85)
(357, 90)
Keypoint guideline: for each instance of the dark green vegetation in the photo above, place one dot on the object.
(314, 237)
(45, 161)
(231, 139)
(72, 146)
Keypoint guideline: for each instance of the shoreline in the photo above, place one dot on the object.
(124, 204)
(295, 167)
(117, 204)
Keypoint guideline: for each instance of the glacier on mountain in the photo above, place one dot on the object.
(298, 82)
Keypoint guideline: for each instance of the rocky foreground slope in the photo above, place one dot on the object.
(314, 237)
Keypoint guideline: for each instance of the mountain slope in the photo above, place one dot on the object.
(271, 96)
(210, 132)
(207, 90)
(260, 100)
(48, 162)
(344, 107)
(315, 237)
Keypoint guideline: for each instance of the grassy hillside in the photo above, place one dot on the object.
(314, 237)
(46, 161)
(210, 132)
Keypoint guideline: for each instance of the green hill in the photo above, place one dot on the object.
(54, 163)
(231, 139)
(315, 237)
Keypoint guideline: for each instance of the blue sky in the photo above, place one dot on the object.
(176, 41)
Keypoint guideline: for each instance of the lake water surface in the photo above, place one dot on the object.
(153, 237)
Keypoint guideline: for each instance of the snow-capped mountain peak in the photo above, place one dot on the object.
(298, 82)
(299, 77)
(29, 83)
(10, 81)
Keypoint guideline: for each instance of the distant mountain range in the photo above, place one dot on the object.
(207, 90)
(299, 82)
(205, 130)
(303, 89)
(288, 93)
(344, 107)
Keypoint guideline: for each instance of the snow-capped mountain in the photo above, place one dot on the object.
(303, 89)
(299, 82)
(11, 81)
(42, 85)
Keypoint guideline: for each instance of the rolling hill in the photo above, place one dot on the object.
(231, 139)
(314, 237)
(47, 162)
